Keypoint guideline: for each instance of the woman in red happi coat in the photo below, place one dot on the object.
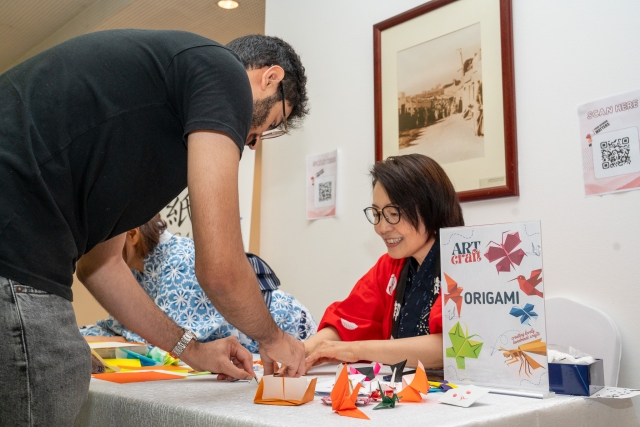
(394, 312)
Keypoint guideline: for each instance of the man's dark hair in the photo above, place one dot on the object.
(421, 189)
(257, 51)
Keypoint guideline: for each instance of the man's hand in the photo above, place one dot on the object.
(333, 351)
(225, 357)
(286, 350)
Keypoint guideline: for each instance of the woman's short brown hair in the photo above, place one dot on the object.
(150, 235)
(421, 189)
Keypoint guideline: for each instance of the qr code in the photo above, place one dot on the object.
(324, 191)
(615, 153)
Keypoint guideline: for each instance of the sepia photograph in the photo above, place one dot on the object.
(440, 110)
(443, 81)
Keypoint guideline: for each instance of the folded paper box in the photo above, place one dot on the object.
(579, 380)
(285, 391)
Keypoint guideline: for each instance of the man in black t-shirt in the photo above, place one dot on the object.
(97, 134)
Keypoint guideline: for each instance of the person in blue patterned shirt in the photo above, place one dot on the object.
(164, 265)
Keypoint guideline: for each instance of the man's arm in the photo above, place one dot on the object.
(222, 268)
(105, 274)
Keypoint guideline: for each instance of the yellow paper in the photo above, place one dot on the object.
(108, 367)
(124, 362)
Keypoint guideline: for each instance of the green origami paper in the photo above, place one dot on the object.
(387, 402)
(463, 346)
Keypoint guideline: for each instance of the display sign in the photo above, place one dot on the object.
(610, 143)
(493, 307)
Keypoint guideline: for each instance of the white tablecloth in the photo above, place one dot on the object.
(204, 401)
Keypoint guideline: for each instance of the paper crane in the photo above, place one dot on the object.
(343, 399)
(505, 252)
(414, 384)
(454, 293)
(462, 345)
(519, 354)
(387, 401)
(525, 313)
(528, 286)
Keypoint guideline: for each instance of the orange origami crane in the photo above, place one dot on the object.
(414, 385)
(284, 391)
(454, 293)
(343, 399)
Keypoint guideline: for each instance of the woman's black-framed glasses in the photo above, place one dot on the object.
(274, 133)
(391, 214)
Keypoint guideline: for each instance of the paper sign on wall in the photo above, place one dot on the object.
(493, 307)
(610, 143)
(321, 185)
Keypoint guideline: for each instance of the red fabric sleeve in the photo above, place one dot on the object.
(363, 315)
(435, 317)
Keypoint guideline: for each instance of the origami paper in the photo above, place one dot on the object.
(399, 369)
(125, 353)
(454, 293)
(414, 384)
(387, 401)
(99, 365)
(464, 396)
(137, 377)
(369, 372)
(528, 286)
(343, 398)
(525, 313)
(519, 354)
(284, 391)
(463, 346)
(124, 363)
(443, 385)
(505, 252)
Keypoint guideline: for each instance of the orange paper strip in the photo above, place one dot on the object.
(136, 377)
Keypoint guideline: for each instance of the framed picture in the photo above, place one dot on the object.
(444, 87)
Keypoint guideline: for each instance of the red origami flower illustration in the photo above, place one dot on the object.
(503, 252)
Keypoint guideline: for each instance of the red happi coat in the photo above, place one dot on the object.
(367, 313)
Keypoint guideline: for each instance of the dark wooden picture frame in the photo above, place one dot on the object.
(510, 187)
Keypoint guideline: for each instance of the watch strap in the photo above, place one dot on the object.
(182, 343)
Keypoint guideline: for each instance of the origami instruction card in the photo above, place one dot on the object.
(610, 144)
(493, 307)
(285, 391)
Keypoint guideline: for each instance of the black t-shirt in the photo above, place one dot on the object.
(93, 141)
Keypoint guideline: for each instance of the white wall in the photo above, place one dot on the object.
(566, 53)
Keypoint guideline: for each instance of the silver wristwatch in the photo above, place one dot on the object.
(183, 343)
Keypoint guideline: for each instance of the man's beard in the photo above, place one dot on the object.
(261, 110)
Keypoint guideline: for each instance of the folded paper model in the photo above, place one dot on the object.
(284, 391)
(414, 384)
(343, 397)
(369, 372)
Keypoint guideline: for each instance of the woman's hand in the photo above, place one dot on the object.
(332, 352)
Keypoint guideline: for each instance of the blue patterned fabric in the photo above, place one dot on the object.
(169, 279)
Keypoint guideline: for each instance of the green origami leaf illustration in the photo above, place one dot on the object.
(463, 346)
